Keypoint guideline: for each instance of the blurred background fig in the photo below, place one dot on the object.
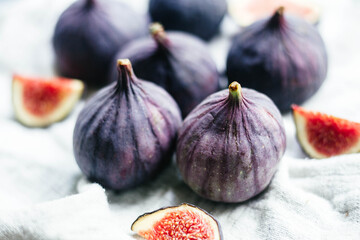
(246, 12)
(89, 33)
(179, 62)
(199, 17)
(126, 132)
(230, 145)
(281, 56)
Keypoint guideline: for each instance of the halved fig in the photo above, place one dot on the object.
(39, 102)
(246, 12)
(182, 222)
(322, 135)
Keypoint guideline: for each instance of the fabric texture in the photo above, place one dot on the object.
(43, 194)
(82, 216)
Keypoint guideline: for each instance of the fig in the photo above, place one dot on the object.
(126, 132)
(39, 102)
(181, 222)
(198, 17)
(230, 145)
(321, 135)
(281, 56)
(246, 12)
(178, 62)
(89, 33)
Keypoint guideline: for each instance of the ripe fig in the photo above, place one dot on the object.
(89, 33)
(179, 222)
(39, 102)
(230, 145)
(199, 17)
(321, 135)
(282, 56)
(246, 12)
(126, 132)
(178, 62)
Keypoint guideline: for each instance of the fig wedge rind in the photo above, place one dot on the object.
(65, 93)
(321, 135)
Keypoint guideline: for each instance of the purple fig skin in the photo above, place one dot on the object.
(283, 57)
(178, 62)
(198, 17)
(89, 33)
(230, 145)
(126, 132)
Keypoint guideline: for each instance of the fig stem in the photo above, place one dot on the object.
(89, 3)
(125, 74)
(278, 18)
(280, 10)
(158, 33)
(235, 91)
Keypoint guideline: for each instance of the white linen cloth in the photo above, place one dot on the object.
(43, 194)
(82, 216)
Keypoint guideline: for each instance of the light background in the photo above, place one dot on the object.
(37, 165)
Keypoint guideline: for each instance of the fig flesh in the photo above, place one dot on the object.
(321, 135)
(178, 62)
(282, 56)
(39, 102)
(246, 12)
(180, 222)
(230, 145)
(126, 132)
(89, 33)
(198, 17)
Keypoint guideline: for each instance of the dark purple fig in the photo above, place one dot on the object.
(89, 33)
(126, 132)
(178, 62)
(230, 145)
(199, 17)
(282, 56)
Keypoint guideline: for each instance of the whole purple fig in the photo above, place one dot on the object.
(281, 56)
(198, 17)
(89, 33)
(230, 145)
(126, 132)
(177, 61)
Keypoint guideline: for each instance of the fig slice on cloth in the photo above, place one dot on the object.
(39, 102)
(179, 222)
(321, 135)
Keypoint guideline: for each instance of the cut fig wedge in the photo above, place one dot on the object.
(39, 102)
(246, 12)
(321, 135)
(182, 222)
